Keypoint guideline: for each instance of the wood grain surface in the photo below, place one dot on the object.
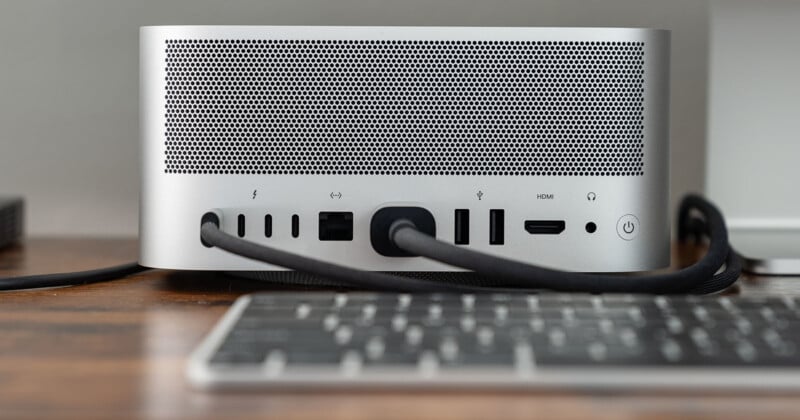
(118, 349)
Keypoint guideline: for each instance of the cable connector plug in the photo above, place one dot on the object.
(389, 218)
(209, 217)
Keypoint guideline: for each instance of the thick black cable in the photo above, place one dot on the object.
(70, 279)
(697, 218)
(723, 280)
(697, 278)
(352, 277)
(692, 226)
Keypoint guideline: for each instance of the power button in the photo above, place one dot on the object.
(628, 227)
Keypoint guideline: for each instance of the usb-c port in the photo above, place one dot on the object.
(295, 226)
(545, 227)
(268, 226)
(240, 226)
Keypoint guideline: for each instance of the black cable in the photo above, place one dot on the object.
(697, 218)
(698, 278)
(70, 279)
(724, 280)
(692, 225)
(212, 235)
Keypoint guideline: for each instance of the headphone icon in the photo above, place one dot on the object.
(591, 196)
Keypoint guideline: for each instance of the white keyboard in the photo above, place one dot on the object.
(395, 340)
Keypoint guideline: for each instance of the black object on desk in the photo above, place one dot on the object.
(11, 220)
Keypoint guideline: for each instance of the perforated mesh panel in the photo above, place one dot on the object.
(372, 107)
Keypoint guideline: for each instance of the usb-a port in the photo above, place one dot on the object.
(545, 227)
(461, 234)
(497, 227)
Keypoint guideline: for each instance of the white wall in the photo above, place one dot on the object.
(754, 116)
(69, 80)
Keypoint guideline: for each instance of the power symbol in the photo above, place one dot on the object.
(628, 227)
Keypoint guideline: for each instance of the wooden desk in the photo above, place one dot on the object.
(117, 350)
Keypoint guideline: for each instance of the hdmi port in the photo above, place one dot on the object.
(544, 227)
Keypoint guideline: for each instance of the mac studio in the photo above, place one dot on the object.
(529, 197)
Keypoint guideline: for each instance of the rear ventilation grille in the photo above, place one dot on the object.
(381, 107)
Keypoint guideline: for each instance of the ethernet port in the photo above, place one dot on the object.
(335, 226)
